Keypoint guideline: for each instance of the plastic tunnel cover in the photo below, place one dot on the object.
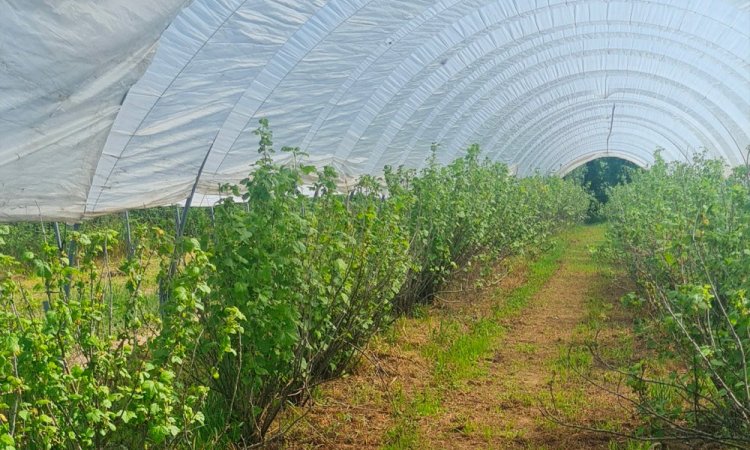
(65, 67)
(540, 85)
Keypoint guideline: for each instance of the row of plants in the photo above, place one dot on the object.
(277, 294)
(472, 212)
(683, 232)
(30, 236)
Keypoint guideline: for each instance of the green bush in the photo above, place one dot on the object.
(307, 280)
(273, 292)
(683, 232)
(75, 377)
(474, 210)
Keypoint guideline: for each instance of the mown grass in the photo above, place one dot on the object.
(459, 348)
(603, 341)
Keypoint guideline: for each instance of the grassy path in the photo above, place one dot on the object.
(487, 369)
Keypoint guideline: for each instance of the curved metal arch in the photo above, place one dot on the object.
(490, 110)
(445, 40)
(401, 117)
(710, 109)
(591, 156)
(413, 57)
(564, 103)
(597, 139)
(555, 120)
(594, 140)
(464, 85)
(468, 105)
(448, 126)
(229, 131)
(525, 155)
(374, 55)
(666, 133)
(163, 87)
(560, 161)
(202, 37)
(568, 138)
(528, 154)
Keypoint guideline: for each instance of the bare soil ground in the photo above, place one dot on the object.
(471, 372)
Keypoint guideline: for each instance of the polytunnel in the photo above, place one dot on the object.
(110, 105)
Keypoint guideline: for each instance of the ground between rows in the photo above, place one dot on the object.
(498, 366)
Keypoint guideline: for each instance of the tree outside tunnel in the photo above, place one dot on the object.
(597, 176)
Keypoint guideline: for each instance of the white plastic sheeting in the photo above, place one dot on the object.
(65, 67)
(542, 85)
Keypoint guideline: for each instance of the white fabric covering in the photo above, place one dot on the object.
(355, 83)
(65, 67)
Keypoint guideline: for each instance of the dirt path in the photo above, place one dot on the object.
(480, 372)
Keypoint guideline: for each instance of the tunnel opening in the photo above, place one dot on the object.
(597, 176)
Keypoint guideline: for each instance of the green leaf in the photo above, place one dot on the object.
(127, 416)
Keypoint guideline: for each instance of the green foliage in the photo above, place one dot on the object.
(474, 211)
(307, 281)
(70, 378)
(270, 293)
(683, 231)
(31, 236)
(598, 176)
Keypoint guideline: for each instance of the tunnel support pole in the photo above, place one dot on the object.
(128, 238)
(164, 283)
